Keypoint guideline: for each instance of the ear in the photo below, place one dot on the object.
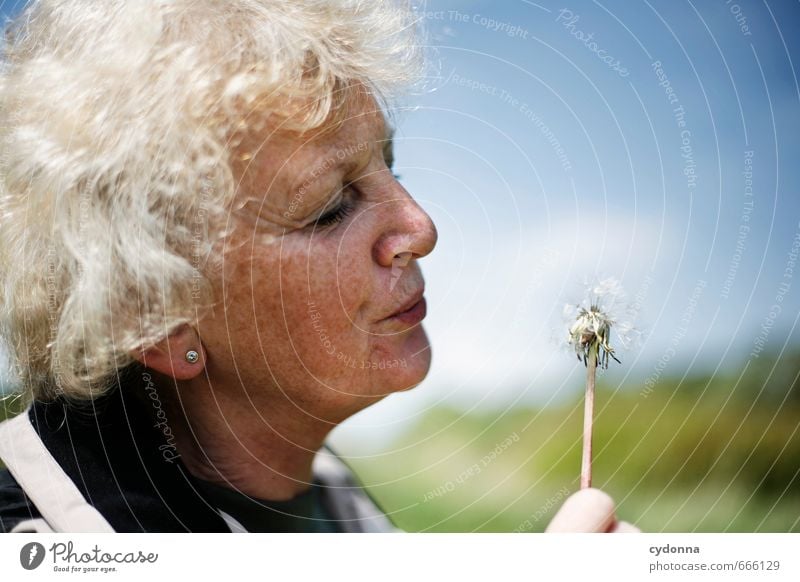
(168, 356)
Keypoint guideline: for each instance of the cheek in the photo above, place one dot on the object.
(322, 304)
(301, 313)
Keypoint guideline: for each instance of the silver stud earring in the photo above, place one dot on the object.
(192, 356)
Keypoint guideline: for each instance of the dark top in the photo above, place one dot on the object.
(14, 504)
(116, 454)
(305, 512)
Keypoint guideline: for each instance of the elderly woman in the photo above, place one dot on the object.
(207, 263)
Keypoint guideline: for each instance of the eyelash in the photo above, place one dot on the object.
(339, 213)
(335, 216)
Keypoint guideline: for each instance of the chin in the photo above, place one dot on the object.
(409, 362)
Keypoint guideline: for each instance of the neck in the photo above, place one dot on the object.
(264, 448)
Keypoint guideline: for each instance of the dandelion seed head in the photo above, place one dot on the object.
(591, 322)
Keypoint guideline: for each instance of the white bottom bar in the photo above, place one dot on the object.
(404, 557)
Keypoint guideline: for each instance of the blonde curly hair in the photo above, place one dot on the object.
(118, 124)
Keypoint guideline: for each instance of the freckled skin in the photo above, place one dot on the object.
(306, 313)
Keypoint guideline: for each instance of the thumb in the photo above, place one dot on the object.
(588, 510)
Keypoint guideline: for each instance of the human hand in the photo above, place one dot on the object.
(589, 511)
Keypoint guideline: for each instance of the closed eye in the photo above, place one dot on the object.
(336, 215)
(341, 209)
(345, 206)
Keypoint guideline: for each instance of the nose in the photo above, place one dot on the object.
(408, 233)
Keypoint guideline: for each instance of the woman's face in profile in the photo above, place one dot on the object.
(329, 312)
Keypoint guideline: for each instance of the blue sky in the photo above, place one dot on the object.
(543, 164)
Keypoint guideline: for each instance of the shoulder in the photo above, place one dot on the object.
(15, 506)
(345, 496)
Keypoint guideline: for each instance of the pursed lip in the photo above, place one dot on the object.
(409, 304)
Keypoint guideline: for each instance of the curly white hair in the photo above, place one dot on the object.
(118, 125)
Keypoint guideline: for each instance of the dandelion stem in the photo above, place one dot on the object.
(588, 418)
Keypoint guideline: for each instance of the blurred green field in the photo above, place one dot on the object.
(699, 455)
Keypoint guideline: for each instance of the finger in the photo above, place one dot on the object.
(588, 510)
(625, 527)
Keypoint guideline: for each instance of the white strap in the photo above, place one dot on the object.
(37, 525)
(44, 481)
(233, 524)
